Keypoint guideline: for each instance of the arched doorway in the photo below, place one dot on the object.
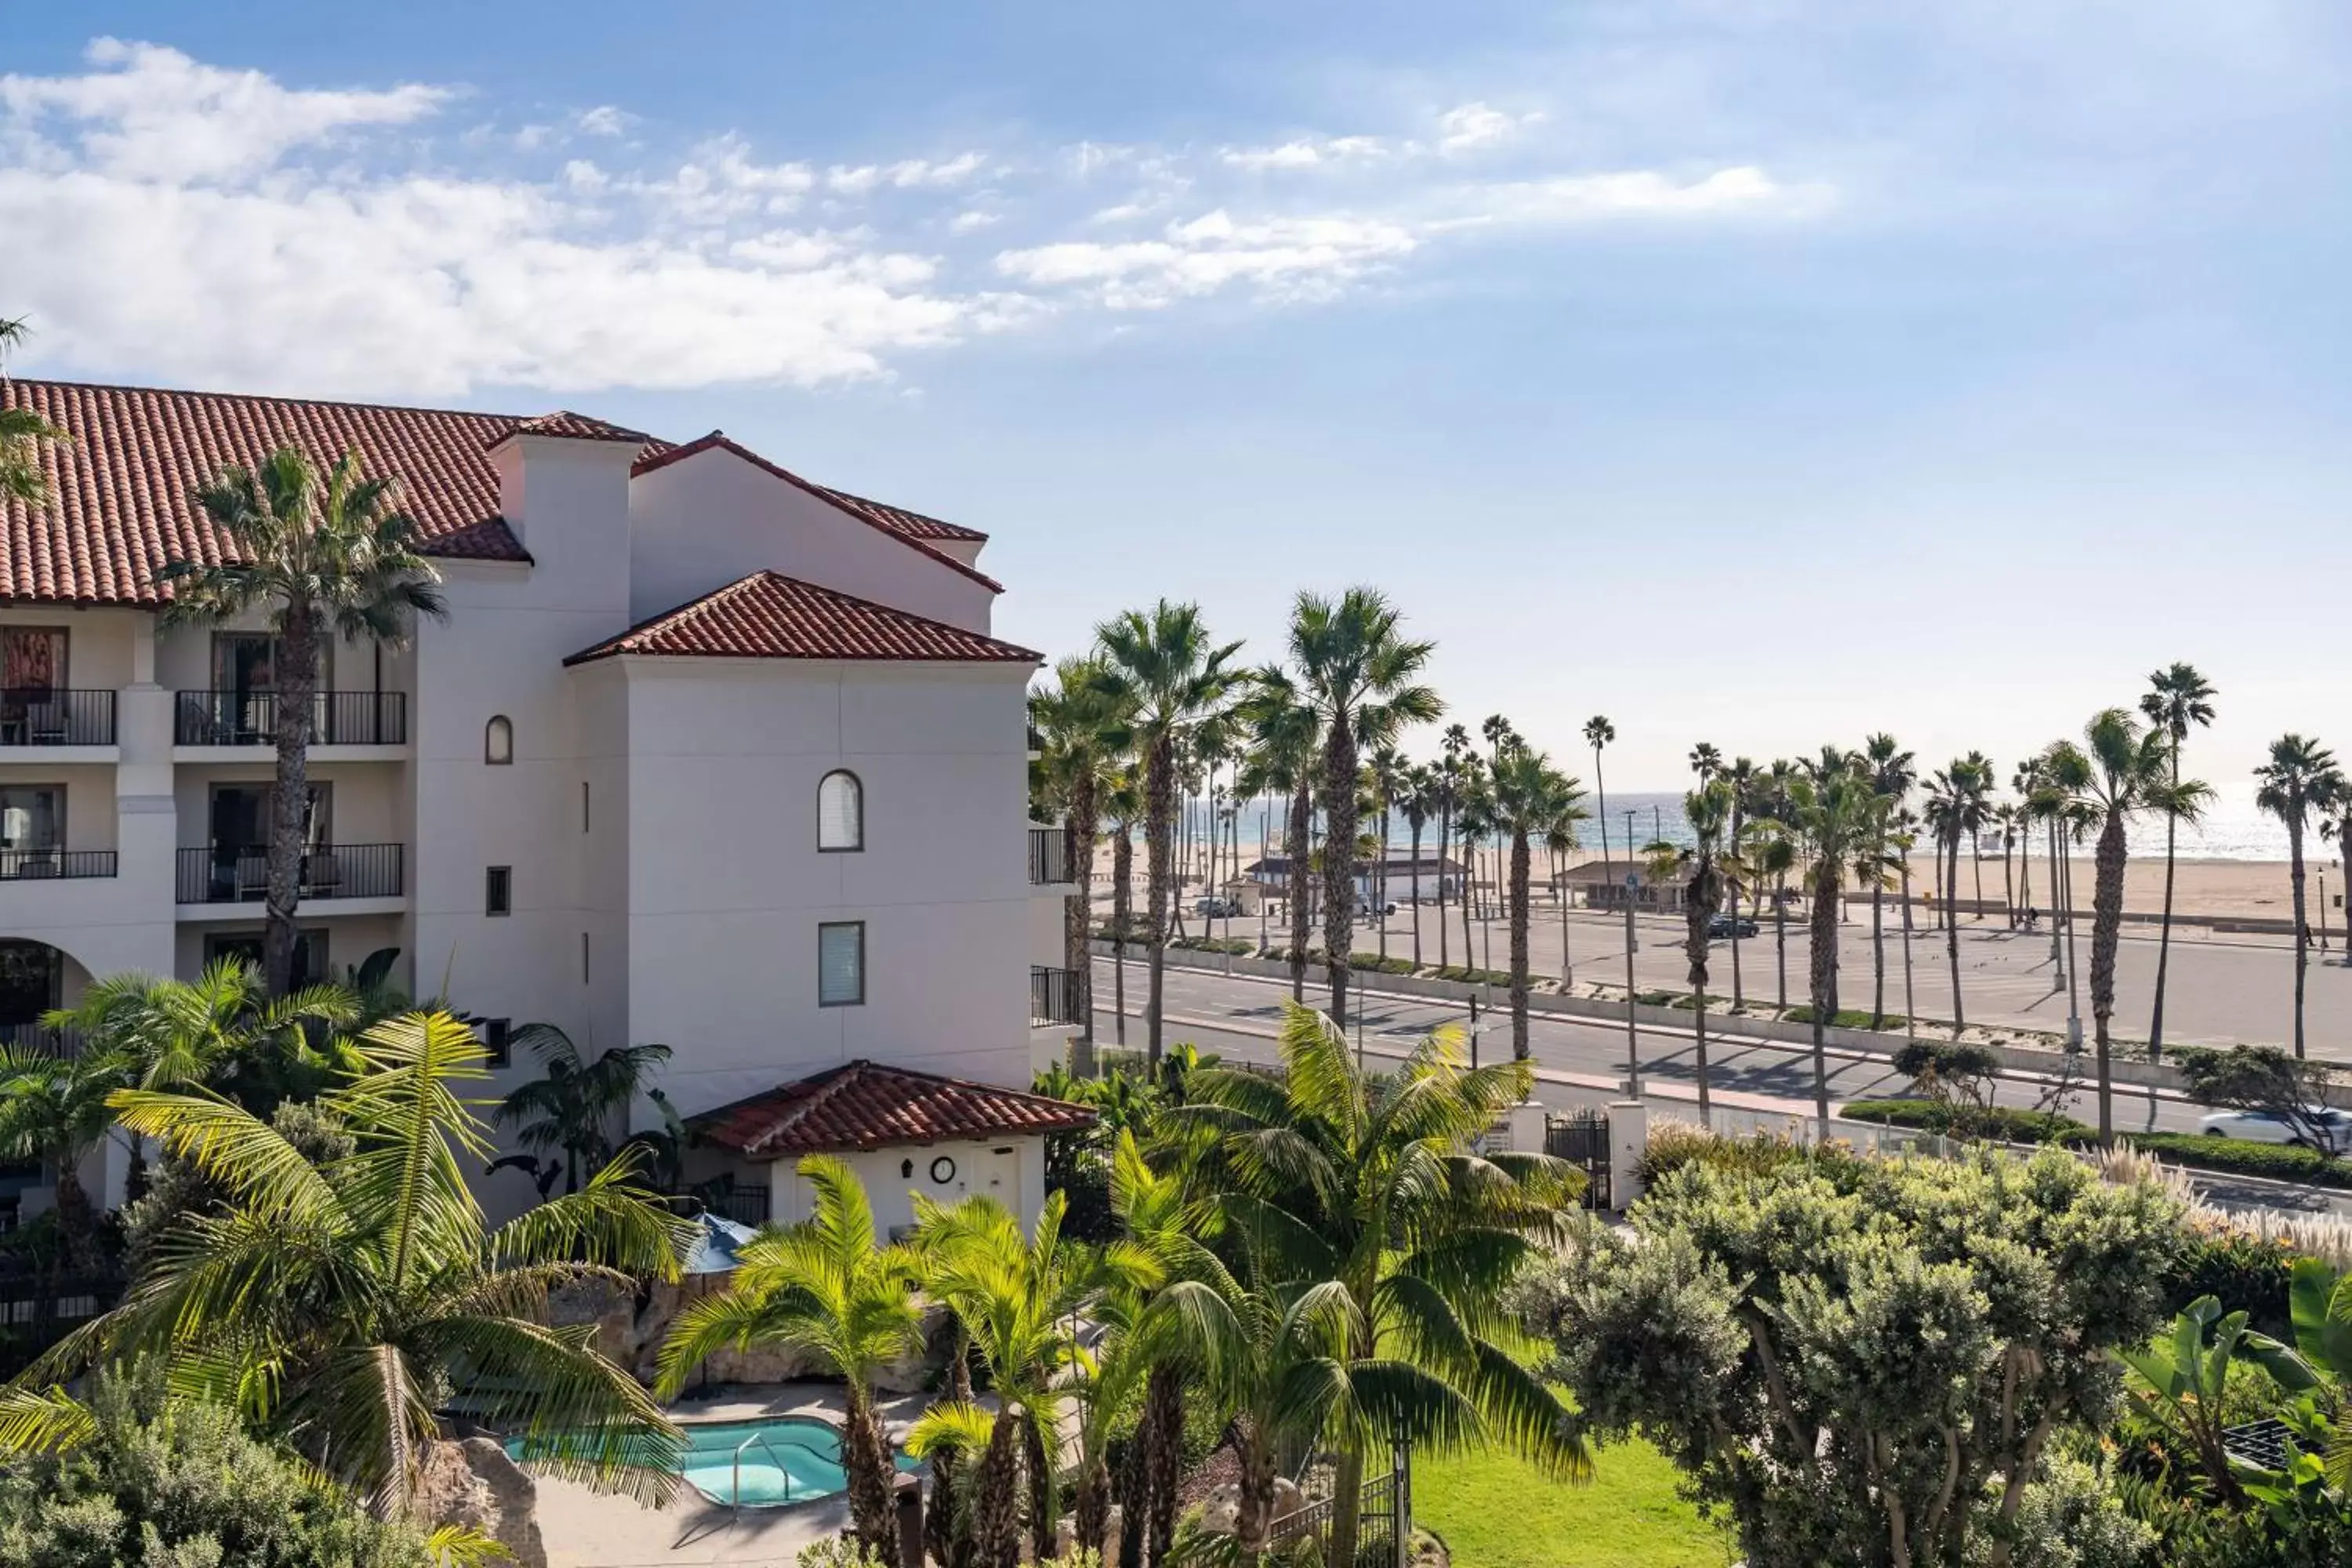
(32, 981)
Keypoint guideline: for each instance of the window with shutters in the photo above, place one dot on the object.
(840, 813)
(841, 963)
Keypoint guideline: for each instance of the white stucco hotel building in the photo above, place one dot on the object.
(705, 753)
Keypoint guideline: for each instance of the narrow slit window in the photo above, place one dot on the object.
(841, 963)
(840, 813)
(498, 890)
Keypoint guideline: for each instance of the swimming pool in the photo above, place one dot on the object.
(777, 1459)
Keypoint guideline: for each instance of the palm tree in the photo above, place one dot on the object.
(1122, 805)
(1455, 741)
(1162, 669)
(1741, 777)
(1419, 803)
(1892, 772)
(1387, 774)
(570, 1108)
(2178, 700)
(337, 1304)
(2300, 780)
(1285, 736)
(1474, 819)
(1976, 770)
(22, 433)
(1707, 810)
(824, 1287)
(1532, 800)
(222, 1029)
(321, 560)
(2022, 783)
(1835, 804)
(1598, 732)
(54, 1112)
(2120, 771)
(1372, 1184)
(1362, 676)
(1082, 737)
(1947, 817)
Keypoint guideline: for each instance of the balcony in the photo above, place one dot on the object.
(250, 719)
(54, 716)
(39, 1036)
(41, 865)
(1049, 856)
(223, 875)
(1053, 997)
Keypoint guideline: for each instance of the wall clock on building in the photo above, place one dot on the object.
(944, 1171)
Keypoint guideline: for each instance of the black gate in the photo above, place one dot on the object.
(1383, 1521)
(1582, 1138)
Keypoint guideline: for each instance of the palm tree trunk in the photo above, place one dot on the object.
(1444, 827)
(1976, 868)
(1567, 963)
(77, 1218)
(1381, 898)
(1122, 901)
(290, 806)
(1077, 913)
(1824, 975)
(1414, 873)
(2164, 927)
(1738, 993)
(2008, 889)
(1780, 934)
(1519, 922)
(1164, 1408)
(2106, 931)
(1470, 856)
(2024, 863)
(1698, 1059)
(1255, 1513)
(1158, 818)
(2302, 943)
(996, 1501)
(1041, 1485)
(1297, 844)
(1952, 930)
(1339, 824)
(1347, 1504)
(866, 1460)
(1877, 955)
(1910, 1006)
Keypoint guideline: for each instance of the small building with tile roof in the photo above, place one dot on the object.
(704, 754)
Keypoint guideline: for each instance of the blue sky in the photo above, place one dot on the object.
(1760, 372)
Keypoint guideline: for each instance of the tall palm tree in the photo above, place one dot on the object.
(1474, 819)
(1892, 772)
(1707, 811)
(53, 1110)
(1083, 737)
(2022, 783)
(1532, 801)
(1834, 803)
(1371, 1183)
(1285, 742)
(1451, 776)
(2178, 700)
(2119, 771)
(1362, 676)
(2300, 780)
(338, 1305)
(1598, 733)
(1165, 672)
(321, 558)
(1387, 773)
(1945, 811)
(1418, 803)
(824, 1287)
(570, 1108)
(22, 433)
(1976, 771)
(1122, 807)
(1741, 775)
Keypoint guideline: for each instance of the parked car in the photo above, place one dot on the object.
(1723, 926)
(1214, 908)
(2270, 1127)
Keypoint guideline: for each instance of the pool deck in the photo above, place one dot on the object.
(588, 1530)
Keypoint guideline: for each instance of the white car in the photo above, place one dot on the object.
(2269, 1126)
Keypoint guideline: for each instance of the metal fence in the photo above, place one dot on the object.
(250, 719)
(1582, 1138)
(1053, 996)
(224, 874)
(1383, 1522)
(36, 865)
(54, 716)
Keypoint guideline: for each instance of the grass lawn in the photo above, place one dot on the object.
(1496, 1512)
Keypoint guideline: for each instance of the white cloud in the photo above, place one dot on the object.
(908, 174)
(1285, 258)
(151, 114)
(1304, 154)
(606, 119)
(972, 221)
(1478, 125)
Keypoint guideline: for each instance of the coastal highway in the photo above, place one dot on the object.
(1579, 1062)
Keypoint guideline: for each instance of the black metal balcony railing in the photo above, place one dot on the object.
(250, 719)
(54, 716)
(221, 874)
(1049, 855)
(39, 1036)
(1053, 996)
(28, 864)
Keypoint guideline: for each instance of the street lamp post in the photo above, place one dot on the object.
(1633, 1038)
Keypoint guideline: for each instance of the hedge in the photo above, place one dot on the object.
(1845, 1018)
(2244, 1157)
(2001, 1121)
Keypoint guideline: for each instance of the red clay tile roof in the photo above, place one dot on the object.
(865, 1105)
(898, 519)
(870, 513)
(770, 615)
(573, 426)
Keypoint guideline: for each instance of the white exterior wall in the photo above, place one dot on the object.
(703, 521)
(1010, 1170)
(727, 886)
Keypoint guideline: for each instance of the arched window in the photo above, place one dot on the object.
(840, 811)
(498, 740)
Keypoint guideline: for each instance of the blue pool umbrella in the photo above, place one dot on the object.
(716, 1240)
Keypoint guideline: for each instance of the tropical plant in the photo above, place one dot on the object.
(1867, 1362)
(823, 1287)
(569, 1109)
(1082, 737)
(2181, 1382)
(1834, 804)
(1532, 801)
(2178, 700)
(1892, 772)
(1600, 732)
(339, 1306)
(1418, 804)
(1386, 769)
(1285, 738)
(2299, 782)
(320, 558)
(53, 1110)
(1162, 669)
(1741, 777)
(1704, 866)
(1372, 1183)
(222, 1029)
(1122, 805)
(23, 434)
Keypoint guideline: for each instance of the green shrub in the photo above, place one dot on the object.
(1676, 1144)
(2001, 1122)
(2245, 1273)
(2244, 1157)
(180, 1485)
(1469, 977)
(1845, 1018)
(1373, 963)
